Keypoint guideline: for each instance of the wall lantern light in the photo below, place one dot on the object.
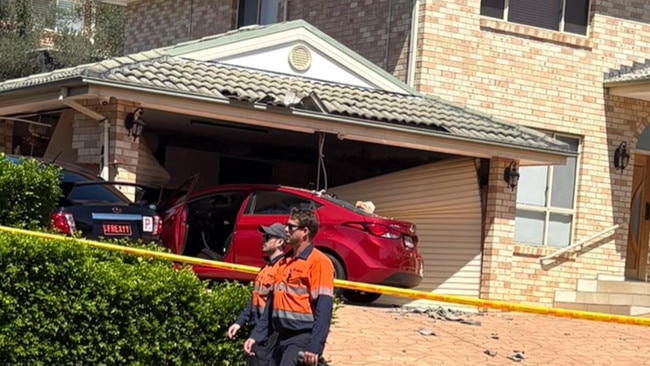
(134, 123)
(511, 175)
(621, 156)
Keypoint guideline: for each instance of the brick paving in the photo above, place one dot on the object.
(385, 336)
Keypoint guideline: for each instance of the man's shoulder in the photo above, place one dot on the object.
(320, 257)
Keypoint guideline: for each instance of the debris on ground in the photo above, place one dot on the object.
(426, 332)
(494, 336)
(441, 313)
(471, 322)
(490, 353)
(517, 356)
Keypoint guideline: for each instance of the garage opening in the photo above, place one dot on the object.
(441, 194)
(223, 153)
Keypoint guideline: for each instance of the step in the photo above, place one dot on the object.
(606, 277)
(623, 287)
(602, 298)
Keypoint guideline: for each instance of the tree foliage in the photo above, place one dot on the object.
(43, 35)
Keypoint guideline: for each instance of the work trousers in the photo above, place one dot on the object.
(264, 351)
(288, 346)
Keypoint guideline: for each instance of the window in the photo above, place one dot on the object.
(561, 15)
(59, 15)
(99, 192)
(257, 12)
(277, 203)
(545, 201)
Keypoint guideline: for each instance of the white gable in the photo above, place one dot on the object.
(329, 60)
(277, 59)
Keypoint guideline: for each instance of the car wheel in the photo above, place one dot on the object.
(339, 272)
(360, 297)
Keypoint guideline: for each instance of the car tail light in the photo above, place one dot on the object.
(64, 223)
(378, 230)
(408, 242)
(157, 225)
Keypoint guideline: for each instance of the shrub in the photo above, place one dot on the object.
(62, 303)
(29, 192)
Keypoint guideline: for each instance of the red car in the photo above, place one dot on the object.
(221, 223)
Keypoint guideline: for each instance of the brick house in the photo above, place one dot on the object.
(578, 75)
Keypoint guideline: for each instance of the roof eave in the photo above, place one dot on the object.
(310, 122)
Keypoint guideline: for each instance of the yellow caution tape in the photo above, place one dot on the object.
(384, 290)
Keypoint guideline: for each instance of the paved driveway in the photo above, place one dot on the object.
(385, 336)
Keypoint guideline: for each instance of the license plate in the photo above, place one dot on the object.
(116, 229)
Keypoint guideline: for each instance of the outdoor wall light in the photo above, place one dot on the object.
(134, 123)
(511, 175)
(621, 156)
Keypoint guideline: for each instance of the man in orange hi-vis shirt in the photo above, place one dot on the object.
(300, 307)
(273, 241)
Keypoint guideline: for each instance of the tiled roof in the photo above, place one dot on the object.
(164, 69)
(78, 71)
(639, 71)
(221, 81)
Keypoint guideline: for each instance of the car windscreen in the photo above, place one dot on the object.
(89, 192)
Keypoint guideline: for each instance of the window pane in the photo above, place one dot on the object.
(531, 189)
(559, 230)
(543, 14)
(93, 192)
(492, 8)
(575, 16)
(269, 12)
(45, 12)
(69, 17)
(564, 178)
(563, 188)
(529, 227)
(247, 12)
(278, 203)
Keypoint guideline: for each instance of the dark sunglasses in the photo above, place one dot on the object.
(267, 237)
(292, 227)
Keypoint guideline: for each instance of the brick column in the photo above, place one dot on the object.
(123, 149)
(499, 236)
(87, 137)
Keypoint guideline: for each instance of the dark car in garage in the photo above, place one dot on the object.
(95, 208)
(221, 223)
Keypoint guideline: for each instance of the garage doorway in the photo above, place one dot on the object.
(237, 170)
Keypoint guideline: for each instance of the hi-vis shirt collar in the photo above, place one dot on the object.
(304, 254)
(273, 261)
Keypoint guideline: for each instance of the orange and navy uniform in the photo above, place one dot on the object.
(263, 285)
(302, 298)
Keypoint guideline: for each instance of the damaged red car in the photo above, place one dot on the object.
(221, 223)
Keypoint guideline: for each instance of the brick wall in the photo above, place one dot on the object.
(156, 23)
(86, 137)
(363, 26)
(496, 281)
(552, 81)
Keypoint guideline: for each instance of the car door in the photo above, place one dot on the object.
(265, 207)
(173, 213)
(211, 223)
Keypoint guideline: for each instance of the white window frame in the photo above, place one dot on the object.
(547, 209)
(506, 7)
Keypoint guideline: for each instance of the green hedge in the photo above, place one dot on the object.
(29, 192)
(62, 303)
